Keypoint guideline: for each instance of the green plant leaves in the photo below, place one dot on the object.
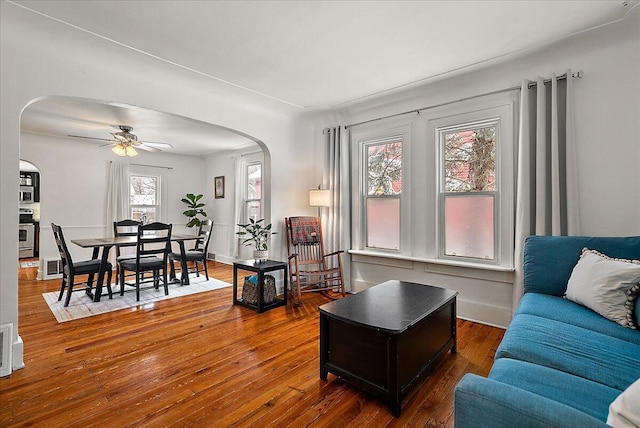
(195, 209)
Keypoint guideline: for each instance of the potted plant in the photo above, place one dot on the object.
(195, 209)
(257, 234)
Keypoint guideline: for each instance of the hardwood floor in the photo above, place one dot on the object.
(200, 361)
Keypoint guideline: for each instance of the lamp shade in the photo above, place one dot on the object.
(119, 150)
(319, 198)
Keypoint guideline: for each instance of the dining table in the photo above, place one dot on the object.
(107, 243)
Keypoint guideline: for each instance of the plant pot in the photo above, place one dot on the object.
(261, 255)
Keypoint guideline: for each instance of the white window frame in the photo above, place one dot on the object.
(161, 192)
(247, 201)
(359, 143)
(495, 109)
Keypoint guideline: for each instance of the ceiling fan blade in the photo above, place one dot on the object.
(157, 143)
(113, 143)
(120, 138)
(147, 148)
(90, 138)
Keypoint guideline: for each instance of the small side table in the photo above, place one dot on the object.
(260, 268)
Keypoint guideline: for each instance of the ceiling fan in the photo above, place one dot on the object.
(125, 143)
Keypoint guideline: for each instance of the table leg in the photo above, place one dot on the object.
(103, 268)
(260, 290)
(235, 284)
(285, 284)
(324, 340)
(184, 275)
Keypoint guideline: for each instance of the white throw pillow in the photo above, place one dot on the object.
(605, 285)
(624, 412)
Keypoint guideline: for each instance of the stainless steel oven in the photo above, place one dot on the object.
(26, 240)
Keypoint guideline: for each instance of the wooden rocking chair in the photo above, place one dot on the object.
(310, 269)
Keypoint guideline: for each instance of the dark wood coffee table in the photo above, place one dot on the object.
(386, 338)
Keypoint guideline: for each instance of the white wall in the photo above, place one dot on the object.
(40, 57)
(606, 117)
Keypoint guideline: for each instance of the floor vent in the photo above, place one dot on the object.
(52, 268)
(6, 332)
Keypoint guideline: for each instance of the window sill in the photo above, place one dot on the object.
(444, 262)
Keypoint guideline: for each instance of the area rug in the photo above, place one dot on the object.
(81, 305)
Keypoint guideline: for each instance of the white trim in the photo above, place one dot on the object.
(7, 349)
(444, 262)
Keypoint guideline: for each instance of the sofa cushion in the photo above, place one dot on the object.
(608, 286)
(549, 260)
(566, 311)
(590, 397)
(582, 352)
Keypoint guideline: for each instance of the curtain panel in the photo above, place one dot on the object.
(547, 194)
(117, 194)
(337, 220)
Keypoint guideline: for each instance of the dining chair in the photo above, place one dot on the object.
(197, 255)
(310, 269)
(71, 269)
(152, 250)
(127, 227)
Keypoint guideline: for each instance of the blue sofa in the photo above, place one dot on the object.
(559, 364)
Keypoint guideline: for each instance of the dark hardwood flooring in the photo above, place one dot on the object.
(199, 361)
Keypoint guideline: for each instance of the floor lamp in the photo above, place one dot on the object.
(319, 198)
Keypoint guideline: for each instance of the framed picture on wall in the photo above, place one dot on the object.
(218, 185)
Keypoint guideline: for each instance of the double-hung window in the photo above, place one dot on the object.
(383, 192)
(475, 181)
(439, 186)
(468, 190)
(253, 198)
(144, 194)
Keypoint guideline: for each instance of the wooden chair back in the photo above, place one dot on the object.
(154, 239)
(126, 227)
(65, 255)
(204, 231)
(304, 238)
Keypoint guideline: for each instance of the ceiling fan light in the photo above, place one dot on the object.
(130, 151)
(119, 150)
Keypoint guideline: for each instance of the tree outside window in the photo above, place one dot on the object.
(144, 198)
(469, 194)
(383, 193)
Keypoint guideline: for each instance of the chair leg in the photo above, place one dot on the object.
(62, 286)
(70, 280)
(109, 284)
(172, 275)
(122, 281)
(206, 271)
(164, 280)
(137, 286)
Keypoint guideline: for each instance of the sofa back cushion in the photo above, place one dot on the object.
(549, 260)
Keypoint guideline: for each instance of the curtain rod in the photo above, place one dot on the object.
(577, 74)
(149, 166)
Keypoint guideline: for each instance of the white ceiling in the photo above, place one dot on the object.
(324, 54)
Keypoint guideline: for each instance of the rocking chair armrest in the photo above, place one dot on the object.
(293, 256)
(335, 253)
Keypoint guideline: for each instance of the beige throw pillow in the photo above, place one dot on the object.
(605, 285)
(624, 412)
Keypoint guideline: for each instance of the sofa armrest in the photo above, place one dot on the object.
(480, 402)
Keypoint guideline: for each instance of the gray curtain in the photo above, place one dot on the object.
(547, 194)
(337, 218)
